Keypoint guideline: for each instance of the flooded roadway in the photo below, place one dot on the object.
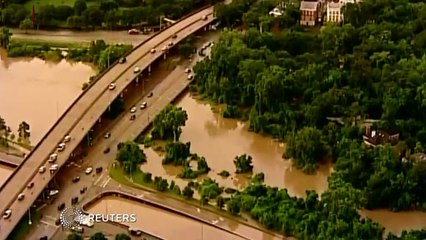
(38, 92)
(171, 226)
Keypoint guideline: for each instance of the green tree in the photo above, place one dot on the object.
(24, 130)
(177, 153)
(187, 192)
(169, 122)
(243, 164)
(306, 147)
(79, 7)
(5, 37)
(98, 236)
(26, 24)
(122, 236)
(130, 156)
(74, 236)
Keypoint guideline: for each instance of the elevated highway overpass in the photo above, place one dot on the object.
(81, 116)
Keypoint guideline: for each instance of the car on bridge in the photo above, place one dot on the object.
(132, 117)
(42, 169)
(107, 135)
(190, 77)
(174, 36)
(67, 138)
(112, 86)
(53, 157)
(204, 17)
(7, 214)
(89, 170)
(133, 110)
(30, 185)
(21, 196)
(153, 50)
(144, 105)
(137, 70)
(61, 147)
(188, 70)
(122, 60)
(150, 94)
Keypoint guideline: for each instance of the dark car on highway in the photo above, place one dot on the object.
(61, 206)
(76, 179)
(107, 150)
(99, 169)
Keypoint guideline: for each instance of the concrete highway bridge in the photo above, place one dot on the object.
(83, 114)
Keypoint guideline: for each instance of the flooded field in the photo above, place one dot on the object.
(38, 92)
(219, 140)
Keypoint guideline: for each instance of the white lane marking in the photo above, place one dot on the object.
(99, 179)
(106, 182)
(50, 218)
(47, 223)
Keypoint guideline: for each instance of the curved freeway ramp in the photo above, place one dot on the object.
(81, 116)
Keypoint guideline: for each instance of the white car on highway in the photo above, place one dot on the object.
(153, 50)
(190, 77)
(7, 214)
(53, 157)
(67, 138)
(133, 109)
(137, 69)
(61, 147)
(111, 86)
(89, 170)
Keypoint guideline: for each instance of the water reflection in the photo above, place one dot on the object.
(38, 93)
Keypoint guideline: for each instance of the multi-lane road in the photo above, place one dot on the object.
(79, 119)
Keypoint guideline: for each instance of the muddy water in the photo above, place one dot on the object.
(5, 172)
(396, 222)
(161, 223)
(79, 36)
(38, 92)
(220, 140)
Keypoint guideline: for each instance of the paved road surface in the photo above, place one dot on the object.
(79, 36)
(91, 105)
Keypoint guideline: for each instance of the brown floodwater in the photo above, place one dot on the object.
(38, 92)
(219, 140)
(171, 226)
(5, 172)
(396, 222)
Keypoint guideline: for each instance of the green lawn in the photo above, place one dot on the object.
(54, 44)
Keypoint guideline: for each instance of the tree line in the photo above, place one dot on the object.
(108, 14)
(98, 236)
(7, 137)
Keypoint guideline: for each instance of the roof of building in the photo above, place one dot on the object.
(308, 5)
(334, 5)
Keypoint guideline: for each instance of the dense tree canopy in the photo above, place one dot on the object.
(168, 123)
(110, 14)
(130, 156)
(317, 89)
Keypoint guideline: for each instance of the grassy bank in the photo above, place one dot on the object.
(51, 44)
(23, 228)
(117, 174)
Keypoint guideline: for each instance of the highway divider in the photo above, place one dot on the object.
(100, 75)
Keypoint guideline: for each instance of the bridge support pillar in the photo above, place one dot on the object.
(137, 81)
(165, 56)
(99, 120)
(205, 28)
(149, 69)
(121, 95)
(109, 107)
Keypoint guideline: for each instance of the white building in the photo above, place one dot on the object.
(334, 12)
